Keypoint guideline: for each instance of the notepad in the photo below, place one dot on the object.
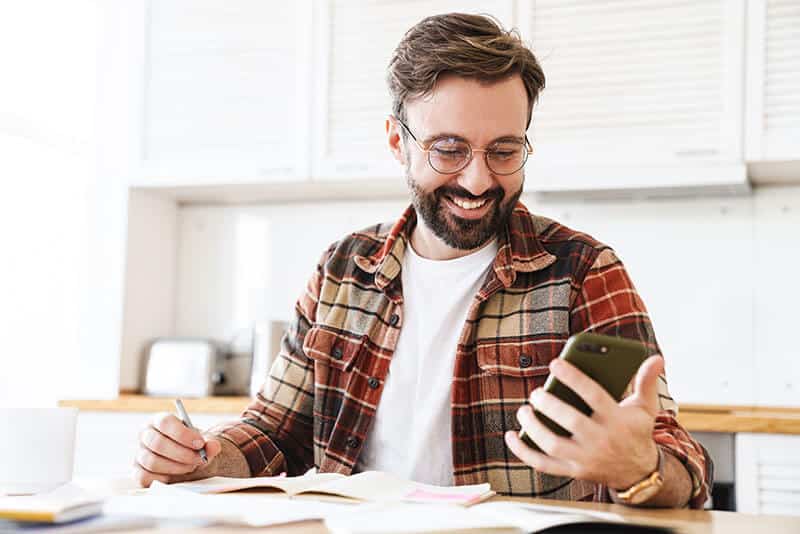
(362, 487)
(66, 503)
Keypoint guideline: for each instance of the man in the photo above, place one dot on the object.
(419, 347)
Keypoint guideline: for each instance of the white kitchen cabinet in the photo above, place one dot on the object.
(639, 94)
(773, 79)
(106, 442)
(354, 42)
(768, 474)
(217, 91)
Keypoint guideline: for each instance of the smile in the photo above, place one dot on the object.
(468, 204)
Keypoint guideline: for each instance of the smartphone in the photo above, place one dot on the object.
(610, 361)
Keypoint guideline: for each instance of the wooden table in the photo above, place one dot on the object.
(694, 417)
(683, 521)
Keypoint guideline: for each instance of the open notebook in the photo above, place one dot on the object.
(362, 487)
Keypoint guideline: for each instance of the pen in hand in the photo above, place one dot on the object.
(184, 417)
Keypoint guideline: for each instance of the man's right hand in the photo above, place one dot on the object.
(169, 452)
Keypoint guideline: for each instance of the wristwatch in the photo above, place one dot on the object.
(645, 488)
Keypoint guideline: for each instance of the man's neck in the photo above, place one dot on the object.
(430, 246)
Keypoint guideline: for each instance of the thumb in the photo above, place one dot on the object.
(213, 448)
(645, 386)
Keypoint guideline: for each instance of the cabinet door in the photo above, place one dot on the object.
(354, 41)
(642, 94)
(224, 92)
(773, 79)
(767, 474)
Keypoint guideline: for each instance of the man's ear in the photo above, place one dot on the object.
(394, 140)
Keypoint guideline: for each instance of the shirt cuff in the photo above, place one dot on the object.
(262, 455)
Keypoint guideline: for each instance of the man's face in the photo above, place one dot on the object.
(466, 209)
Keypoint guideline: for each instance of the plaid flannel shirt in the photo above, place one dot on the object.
(547, 282)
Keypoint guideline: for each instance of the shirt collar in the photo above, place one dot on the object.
(520, 249)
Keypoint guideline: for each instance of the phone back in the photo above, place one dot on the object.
(610, 361)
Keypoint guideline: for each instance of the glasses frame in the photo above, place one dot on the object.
(427, 151)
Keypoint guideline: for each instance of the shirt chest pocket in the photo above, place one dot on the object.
(511, 370)
(512, 360)
(338, 352)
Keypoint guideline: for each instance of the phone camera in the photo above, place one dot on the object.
(593, 348)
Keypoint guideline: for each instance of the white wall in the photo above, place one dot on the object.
(47, 94)
(714, 272)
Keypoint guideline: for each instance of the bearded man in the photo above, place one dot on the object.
(419, 347)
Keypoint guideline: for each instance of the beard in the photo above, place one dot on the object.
(457, 232)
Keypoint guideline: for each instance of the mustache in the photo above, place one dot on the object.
(455, 191)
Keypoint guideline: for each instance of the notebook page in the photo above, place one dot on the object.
(380, 486)
(291, 485)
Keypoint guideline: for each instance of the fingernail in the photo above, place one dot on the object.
(198, 443)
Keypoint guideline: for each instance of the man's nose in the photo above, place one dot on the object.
(476, 176)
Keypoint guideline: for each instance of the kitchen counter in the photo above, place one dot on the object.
(695, 417)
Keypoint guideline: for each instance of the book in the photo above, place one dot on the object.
(497, 517)
(59, 506)
(362, 487)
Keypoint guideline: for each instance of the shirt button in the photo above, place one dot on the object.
(525, 361)
(394, 319)
(373, 382)
(352, 442)
(336, 353)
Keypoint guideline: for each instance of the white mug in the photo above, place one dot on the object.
(37, 449)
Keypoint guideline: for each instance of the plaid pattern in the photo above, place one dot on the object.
(547, 282)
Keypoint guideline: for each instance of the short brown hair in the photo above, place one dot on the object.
(470, 46)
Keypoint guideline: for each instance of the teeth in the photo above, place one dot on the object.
(468, 204)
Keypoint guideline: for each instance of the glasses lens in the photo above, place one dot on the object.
(506, 157)
(449, 155)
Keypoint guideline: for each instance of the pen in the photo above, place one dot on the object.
(184, 417)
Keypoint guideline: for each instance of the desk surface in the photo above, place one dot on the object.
(683, 521)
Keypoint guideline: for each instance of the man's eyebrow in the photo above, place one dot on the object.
(445, 135)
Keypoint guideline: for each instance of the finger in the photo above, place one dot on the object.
(144, 478)
(154, 463)
(156, 442)
(645, 389)
(537, 460)
(559, 411)
(590, 391)
(554, 445)
(173, 428)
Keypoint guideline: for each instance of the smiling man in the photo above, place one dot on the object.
(419, 346)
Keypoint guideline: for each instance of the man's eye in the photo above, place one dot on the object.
(449, 152)
(504, 154)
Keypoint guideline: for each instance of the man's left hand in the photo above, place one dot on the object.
(614, 446)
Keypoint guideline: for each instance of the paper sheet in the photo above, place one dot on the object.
(168, 502)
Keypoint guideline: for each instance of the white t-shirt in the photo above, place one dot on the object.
(411, 436)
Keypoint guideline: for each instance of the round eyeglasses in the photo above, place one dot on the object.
(449, 155)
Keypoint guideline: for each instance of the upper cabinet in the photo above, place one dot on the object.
(773, 81)
(230, 101)
(354, 42)
(224, 91)
(639, 94)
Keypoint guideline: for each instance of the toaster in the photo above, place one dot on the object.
(194, 367)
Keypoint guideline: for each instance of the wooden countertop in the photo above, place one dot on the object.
(695, 417)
